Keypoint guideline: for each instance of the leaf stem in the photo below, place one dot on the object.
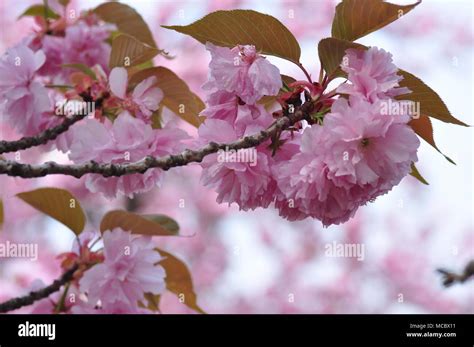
(308, 76)
(60, 305)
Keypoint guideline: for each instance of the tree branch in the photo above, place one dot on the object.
(449, 277)
(51, 133)
(41, 138)
(43, 293)
(13, 168)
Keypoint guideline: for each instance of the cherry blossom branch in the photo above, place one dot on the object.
(13, 168)
(450, 278)
(41, 138)
(43, 293)
(48, 134)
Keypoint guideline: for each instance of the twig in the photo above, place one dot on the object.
(51, 133)
(41, 138)
(13, 168)
(43, 293)
(308, 76)
(450, 278)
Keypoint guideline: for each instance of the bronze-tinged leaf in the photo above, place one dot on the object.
(415, 173)
(128, 51)
(127, 20)
(244, 27)
(356, 18)
(430, 102)
(41, 11)
(287, 79)
(177, 95)
(178, 280)
(156, 118)
(166, 222)
(152, 302)
(423, 127)
(135, 223)
(58, 204)
(331, 51)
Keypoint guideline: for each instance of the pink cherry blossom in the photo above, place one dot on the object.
(26, 99)
(128, 271)
(145, 97)
(247, 183)
(127, 139)
(53, 47)
(221, 105)
(241, 70)
(368, 147)
(225, 106)
(82, 43)
(372, 74)
(306, 192)
(358, 154)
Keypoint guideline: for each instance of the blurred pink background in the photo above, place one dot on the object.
(256, 262)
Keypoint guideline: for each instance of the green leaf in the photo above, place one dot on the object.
(81, 67)
(39, 10)
(331, 51)
(178, 280)
(166, 222)
(415, 173)
(423, 127)
(137, 224)
(356, 18)
(177, 95)
(244, 27)
(127, 20)
(430, 102)
(128, 51)
(58, 204)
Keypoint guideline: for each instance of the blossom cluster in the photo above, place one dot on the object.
(239, 77)
(127, 138)
(113, 279)
(120, 282)
(39, 60)
(350, 151)
(118, 131)
(357, 152)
